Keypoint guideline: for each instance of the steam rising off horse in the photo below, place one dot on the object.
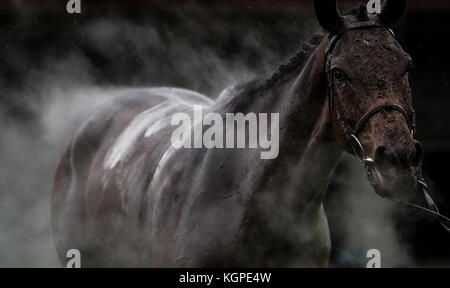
(124, 196)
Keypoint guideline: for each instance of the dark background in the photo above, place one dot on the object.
(198, 44)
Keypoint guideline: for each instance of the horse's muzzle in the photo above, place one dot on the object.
(396, 171)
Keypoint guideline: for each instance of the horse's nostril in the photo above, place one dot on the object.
(406, 158)
(384, 159)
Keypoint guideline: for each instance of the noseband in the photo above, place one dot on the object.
(351, 132)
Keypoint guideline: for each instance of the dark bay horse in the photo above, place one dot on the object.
(124, 197)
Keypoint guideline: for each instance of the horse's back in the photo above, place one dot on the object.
(103, 158)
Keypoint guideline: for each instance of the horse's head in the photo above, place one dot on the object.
(369, 94)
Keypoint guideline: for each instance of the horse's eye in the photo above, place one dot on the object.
(339, 75)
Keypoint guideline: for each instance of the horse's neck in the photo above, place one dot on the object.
(308, 151)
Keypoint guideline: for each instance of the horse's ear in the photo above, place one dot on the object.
(328, 14)
(393, 11)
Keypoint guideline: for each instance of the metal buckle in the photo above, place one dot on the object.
(358, 149)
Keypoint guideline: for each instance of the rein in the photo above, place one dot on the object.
(352, 132)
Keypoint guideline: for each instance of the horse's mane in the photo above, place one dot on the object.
(299, 60)
(245, 92)
(296, 62)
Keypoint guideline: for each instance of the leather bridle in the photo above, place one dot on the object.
(351, 132)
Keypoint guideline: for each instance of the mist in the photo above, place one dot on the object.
(56, 88)
(364, 221)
